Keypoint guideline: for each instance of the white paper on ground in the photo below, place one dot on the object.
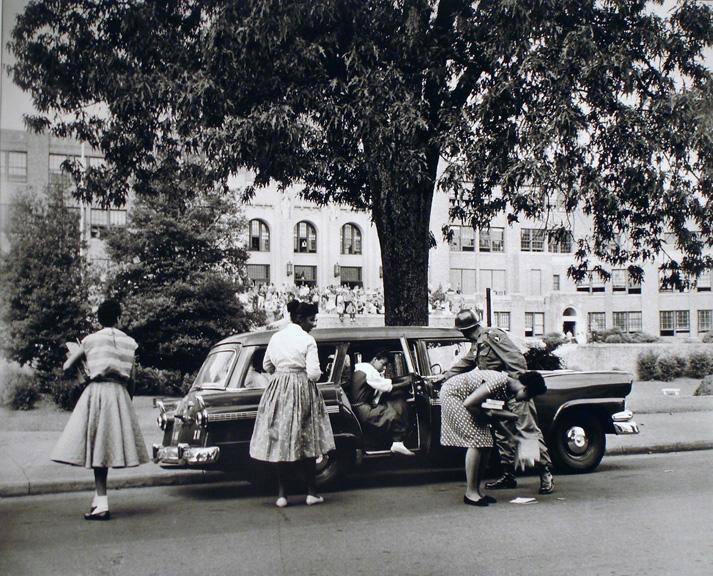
(521, 500)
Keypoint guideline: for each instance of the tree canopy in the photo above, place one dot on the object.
(177, 269)
(43, 282)
(604, 105)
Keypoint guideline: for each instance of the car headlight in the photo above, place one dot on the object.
(162, 420)
(201, 418)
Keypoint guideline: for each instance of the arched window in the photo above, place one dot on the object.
(305, 237)
(259, 236)
(351, 239)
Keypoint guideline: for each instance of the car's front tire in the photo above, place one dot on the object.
(577, 443)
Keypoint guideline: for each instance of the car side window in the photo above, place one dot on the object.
(327, 353)
(365, 351)
(442, 354)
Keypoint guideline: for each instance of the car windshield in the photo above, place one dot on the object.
(444, 353)
(214, 372)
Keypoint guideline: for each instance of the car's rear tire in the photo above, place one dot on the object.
(577, 443)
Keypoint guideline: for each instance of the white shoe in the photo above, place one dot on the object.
(399, 448)
(312, 500)
(281, 502)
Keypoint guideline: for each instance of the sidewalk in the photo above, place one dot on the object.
(667, 424)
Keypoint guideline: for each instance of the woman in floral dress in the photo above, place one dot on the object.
(464, 424)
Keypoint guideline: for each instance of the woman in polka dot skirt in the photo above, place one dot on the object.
(464, 425)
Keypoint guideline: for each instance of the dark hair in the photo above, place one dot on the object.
(381, 354)
(533, 382)
(109, 312)
(301, 310)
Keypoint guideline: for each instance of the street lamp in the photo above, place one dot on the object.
(289, 268)
(337, 270)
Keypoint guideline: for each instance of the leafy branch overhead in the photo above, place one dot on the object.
(598, 107)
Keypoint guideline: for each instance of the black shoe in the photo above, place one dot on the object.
(547, 482)
(502, 483)
(489, 499)
(105, 515)
(479, 502)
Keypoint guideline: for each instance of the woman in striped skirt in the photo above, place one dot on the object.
(103, 431)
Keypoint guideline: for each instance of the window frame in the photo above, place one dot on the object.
(262, 237)
(350, 243)
(309, 238)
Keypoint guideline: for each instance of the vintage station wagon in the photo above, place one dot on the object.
(211, 427)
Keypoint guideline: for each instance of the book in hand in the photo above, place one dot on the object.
(491, 404)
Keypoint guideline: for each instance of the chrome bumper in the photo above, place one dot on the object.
(624, 423)
(184, 455)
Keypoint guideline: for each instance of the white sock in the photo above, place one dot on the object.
(102, 504)
(94, 500)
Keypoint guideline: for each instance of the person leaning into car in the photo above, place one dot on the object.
(492, 349)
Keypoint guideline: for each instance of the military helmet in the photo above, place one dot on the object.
(467, 319)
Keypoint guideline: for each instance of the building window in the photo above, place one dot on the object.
(463, 239)
(623, 283)
(57, 176)
(305, 238)
(351, 239)
(463, 279)
(591, 284)
(627, 321)
(534, 323)
(350, 276)
(705, 321)
(502, 320)
(259, 273)
(493, 279)
(560, 246)
(101, 220)
(14, 166)
(597, 321)
(555, 282)
(535, 288)
(305, 275)
(259, 236)
(672, 322)
(492, 240)
(703, 283)
(532, 240)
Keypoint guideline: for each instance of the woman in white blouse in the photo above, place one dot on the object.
(292, 423)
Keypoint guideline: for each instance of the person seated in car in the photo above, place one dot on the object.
(377, 406)
(255, 377)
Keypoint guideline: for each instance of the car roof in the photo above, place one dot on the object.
(262, 337)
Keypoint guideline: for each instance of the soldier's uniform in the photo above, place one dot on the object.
(493, 350)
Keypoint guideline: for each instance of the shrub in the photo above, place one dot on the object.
(700, 364)
(18, 386)
(542, 359)
(669, 367)
(155, 382)
(65, 390)
(646, 365)
(614, 339)
(705, 388)
(640, 338)
(708, 338)
(553, 340)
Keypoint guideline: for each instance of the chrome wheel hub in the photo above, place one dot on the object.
(577, 440)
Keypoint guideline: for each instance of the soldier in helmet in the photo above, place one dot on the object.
(492, 349)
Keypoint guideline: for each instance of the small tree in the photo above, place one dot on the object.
(178, 269)
(43, 281)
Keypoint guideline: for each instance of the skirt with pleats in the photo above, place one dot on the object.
(292, 421)
(103, 430)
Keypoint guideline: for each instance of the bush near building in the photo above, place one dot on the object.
(700, 364)
(617, 336)
(646, 365)
(543, 357)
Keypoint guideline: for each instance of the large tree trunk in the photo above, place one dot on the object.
(402, 222)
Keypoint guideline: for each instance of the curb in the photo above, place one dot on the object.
(19, 489)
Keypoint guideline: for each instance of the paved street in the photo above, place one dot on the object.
(637, 515)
